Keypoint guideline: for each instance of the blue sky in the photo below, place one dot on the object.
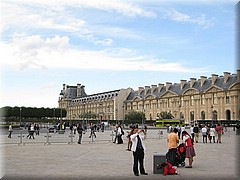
(110, 44)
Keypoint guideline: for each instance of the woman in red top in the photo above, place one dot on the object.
(168, 169)
(188, 144)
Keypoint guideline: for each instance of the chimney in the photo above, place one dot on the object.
(64, 85)
(226, 76)
(203, 79)
(183, 82)
(153, 88)
(146, 89)
(192, 81)
(238, 75)
(82, 89)
(160, 86)
(78, 90)
(140, 89)
(168, 85)
(214, 78)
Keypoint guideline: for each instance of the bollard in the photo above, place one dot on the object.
(21, 136)
(113, 135)
(47, 138)
(160, 134)
(71, 138)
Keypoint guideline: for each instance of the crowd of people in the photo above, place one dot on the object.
(135, 136)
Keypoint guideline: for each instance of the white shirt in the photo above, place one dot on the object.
(134, 140)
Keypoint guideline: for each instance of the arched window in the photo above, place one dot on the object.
(203, 115)
(228, 114)
(215, 115)
(192, 116)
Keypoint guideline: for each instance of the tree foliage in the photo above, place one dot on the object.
(135, 117)
(166, 115)
(31, 112)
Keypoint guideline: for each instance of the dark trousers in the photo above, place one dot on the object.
(138, 156)
(204, 138)
(80, 138)
(172, 156)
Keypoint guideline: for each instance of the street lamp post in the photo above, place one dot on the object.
(143, 110)
(20, 117)
(212, 113)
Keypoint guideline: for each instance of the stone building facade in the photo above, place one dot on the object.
(216, 97)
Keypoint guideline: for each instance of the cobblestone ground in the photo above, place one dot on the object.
(63, 158)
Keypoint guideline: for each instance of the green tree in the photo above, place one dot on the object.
(135, 117)
(166, 115)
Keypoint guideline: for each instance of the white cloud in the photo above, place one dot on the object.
(200, 20)
(37, 52)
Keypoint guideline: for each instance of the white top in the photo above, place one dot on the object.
(134, 140)
(212, 131)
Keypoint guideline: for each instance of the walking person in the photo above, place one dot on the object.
(80, 132)
(10, 130)
(92, 133)
(120, 133)
(190, 151)
(115, 131)
(196, 133)
(172, 146)
(192, 132)
(219, 129)
(212, 134)
(138, 149)
(204, 134)
(129, 145)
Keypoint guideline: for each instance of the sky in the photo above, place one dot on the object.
(110, 44)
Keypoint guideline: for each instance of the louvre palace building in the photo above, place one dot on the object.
(207, 98)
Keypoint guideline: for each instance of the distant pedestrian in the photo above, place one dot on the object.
(10, 130)
(190, 151)
(196, 133)
(120, 133)
(80, 131)
(212, 134)
(129, 145)
(179, 131)
(115, 134)
(204, 134)
(238, 129)
(93, 129)
(219, 129)
(192, 132)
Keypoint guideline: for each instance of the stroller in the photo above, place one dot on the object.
(180, 157)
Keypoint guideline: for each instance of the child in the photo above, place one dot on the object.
(168, 169)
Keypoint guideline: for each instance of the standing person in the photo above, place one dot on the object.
(129, 145)
(172, 146)
(120, 133)
(115, 131)
(190, 151)
(182, 129)
(204, 134)
(10, 130)
(192, 132)
(196, 133)
(80, 132)
(138, 148)
(219, 129)
(212, 134)
(179, 131)
(92, 127)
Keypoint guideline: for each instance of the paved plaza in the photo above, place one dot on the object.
(102, 159)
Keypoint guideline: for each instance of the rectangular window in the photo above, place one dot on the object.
(227, 100)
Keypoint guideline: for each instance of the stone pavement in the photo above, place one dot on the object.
(106, 160)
